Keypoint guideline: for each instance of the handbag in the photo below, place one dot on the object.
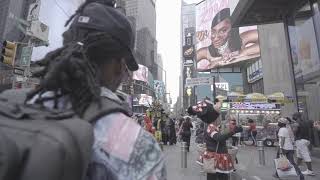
(284, 167)
(209, 164)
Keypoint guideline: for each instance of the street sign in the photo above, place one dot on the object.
(18, 71)
(34, 10)
(39, 30)
(26, 54)
(224, 86)
(199, 81)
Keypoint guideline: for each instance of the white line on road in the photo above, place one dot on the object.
(256, 178)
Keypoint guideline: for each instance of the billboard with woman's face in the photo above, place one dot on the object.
(218, 44)
(141, 74)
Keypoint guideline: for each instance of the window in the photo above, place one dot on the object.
(304, 42)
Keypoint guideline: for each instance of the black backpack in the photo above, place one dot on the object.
(41, 144)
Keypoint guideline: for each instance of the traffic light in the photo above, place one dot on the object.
(9, 50)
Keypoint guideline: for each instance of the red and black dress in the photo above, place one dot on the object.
(214, 138)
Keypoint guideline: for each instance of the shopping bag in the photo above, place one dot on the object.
(209, 165)
(283, 164)
(284, 167)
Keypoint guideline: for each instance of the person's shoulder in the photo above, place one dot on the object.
(283, 131)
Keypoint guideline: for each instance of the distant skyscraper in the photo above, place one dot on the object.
(188, 23)
(143, 15)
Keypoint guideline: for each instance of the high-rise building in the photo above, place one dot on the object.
(188, 24)
(143, 13)
(160, 68)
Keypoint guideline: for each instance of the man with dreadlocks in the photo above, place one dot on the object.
(97, 52)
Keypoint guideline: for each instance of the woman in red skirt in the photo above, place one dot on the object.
(215, 139)
(217, 148)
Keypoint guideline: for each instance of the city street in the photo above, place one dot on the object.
(247, 169)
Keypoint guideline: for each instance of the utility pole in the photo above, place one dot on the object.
(38, 34)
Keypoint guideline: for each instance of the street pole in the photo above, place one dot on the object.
(214, 88)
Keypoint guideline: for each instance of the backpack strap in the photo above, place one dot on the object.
(107, 106)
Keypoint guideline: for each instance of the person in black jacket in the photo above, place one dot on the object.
(186, 131)
(171, 131)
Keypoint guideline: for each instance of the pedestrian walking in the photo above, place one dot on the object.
(171, 131)
(235, 137)
(148, 125)
(286, 142)
(303, 138)
(97, 52)
(252, 131)
(186, 131)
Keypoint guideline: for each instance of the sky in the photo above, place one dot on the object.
(169, 43)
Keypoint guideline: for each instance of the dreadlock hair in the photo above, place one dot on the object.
(81, 8)
(74, 68)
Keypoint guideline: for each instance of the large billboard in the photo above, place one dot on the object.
(218, 43)
(159, 89)
(141, 74)
(142, 100)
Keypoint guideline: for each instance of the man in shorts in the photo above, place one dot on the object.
(303, 137)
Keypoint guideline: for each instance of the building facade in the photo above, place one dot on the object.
(142, 14)
(188, 70)
(290, 46)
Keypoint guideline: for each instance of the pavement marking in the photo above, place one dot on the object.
(256, 178)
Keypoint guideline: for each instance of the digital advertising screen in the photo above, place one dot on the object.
(218, 43)
(141, 74)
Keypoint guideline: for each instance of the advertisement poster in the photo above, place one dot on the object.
(218, 44)
(141, 74)
(142, 100)
(159, 89)
(304, 49)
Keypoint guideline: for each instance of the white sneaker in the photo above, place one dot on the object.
(308, 173)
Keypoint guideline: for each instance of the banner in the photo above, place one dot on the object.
(159, 89)
(141, 74)
(142, 100)
(218, 44)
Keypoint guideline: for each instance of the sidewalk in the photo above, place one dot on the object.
(247, 169)
(193, 170)
(174, 170)
(250, 169)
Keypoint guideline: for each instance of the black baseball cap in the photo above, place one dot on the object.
(104, 18)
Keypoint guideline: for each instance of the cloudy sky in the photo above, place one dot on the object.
(168, 36)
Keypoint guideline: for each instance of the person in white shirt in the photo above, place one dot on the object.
(286, 144)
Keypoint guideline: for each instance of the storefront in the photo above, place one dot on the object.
(301, 19)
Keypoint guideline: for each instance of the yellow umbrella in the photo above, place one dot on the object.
(256, 97)
(235, 96)
(279, 97)
(221, 98)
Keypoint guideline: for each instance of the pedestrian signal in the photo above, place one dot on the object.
(9, 50)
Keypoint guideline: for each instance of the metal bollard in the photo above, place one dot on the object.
(260, 146)
(184, 160)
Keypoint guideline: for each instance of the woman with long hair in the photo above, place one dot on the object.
(227, 44)
(186, 131)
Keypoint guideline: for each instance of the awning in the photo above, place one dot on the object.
(255, 12)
